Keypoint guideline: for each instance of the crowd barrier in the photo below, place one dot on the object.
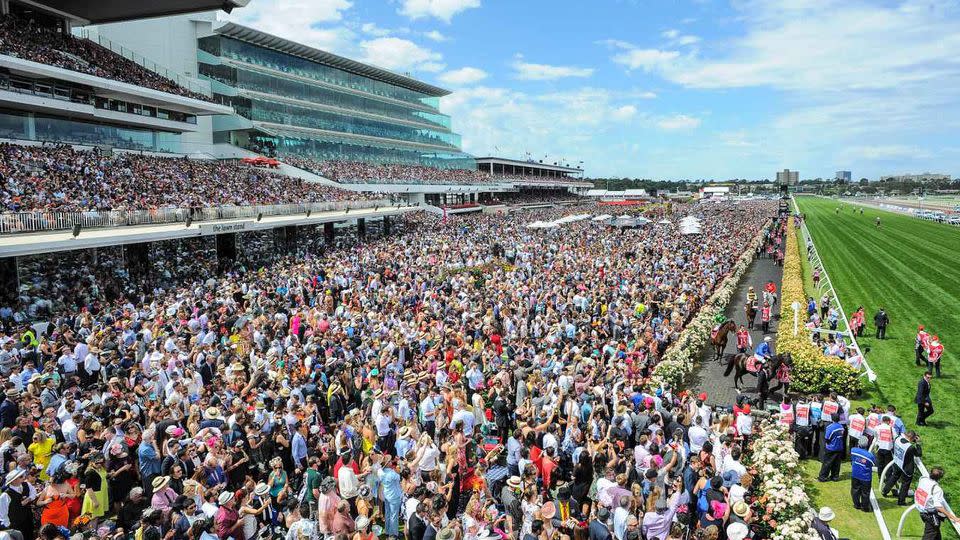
(30, 222)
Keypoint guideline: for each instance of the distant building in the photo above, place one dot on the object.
(844, 176)
(923, 177)
(788, 177)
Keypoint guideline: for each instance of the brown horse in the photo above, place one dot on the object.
(739, 362)
(750, 310)
(719, 339)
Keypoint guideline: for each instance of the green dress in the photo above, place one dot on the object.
(100, 491)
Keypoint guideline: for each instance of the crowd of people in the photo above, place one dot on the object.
(63, 178)
(460, 379)
(358, 172)
(24, 39)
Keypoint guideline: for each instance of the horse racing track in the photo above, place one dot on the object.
(911, 268)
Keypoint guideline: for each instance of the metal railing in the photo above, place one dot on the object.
(31, 222)
(188, 83)
(826, 286)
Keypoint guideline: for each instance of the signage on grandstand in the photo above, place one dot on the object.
(219, 228)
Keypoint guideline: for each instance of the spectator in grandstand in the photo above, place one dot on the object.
(61, 178)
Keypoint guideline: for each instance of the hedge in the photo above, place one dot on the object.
(813, 372)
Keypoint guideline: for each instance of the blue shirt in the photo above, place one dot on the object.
(862, 462)
(390, 481)
(149, 460)
(833, 437)
(298, 449)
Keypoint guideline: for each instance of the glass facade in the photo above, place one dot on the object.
(36, 127)
(273, 87)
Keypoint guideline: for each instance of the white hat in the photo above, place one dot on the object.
(362, 522)
(737, 531)
(766, 338)
(225, 497)
(826, 514)
(261, 489)
(513, 482)
(15, 474)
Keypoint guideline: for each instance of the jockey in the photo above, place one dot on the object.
(744, 341)
(751, 296)
(763, 352)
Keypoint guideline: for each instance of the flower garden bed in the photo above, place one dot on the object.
(813, 372)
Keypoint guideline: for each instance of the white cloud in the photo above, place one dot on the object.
(647, 95)
(646, 59)
(625, 112)
(678, 122)
(374, 30)
(670, 34)
(300, 21)
(463, 76)
(545, 72)
(434, 35)
(440, 9)
(887, 152)
(688, 40)
(400, 55)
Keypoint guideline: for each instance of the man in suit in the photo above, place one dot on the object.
(923, 401)
(881, 320)
(598, 526)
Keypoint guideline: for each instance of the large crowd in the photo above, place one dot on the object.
(462, 379)
(62, 178)
(358, 172)
(24, 39)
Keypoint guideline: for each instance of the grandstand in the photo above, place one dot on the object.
(122, 126)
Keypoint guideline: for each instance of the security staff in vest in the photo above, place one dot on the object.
(862, 462)
(905, 449)
(929, 500)
(832, 450)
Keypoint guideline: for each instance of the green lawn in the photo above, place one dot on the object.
(910, 267)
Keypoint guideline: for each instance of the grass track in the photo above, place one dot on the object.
(910, 267)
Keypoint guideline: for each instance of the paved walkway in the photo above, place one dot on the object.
(709, 376)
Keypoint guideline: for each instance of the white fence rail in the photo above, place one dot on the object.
(29, 222)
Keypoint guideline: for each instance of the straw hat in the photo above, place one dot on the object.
(826, 514)
(225, 497)
(160, 482)
(212, 413)
(261, 489)
(514, 482)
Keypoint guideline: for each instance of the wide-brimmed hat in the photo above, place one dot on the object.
(15, 474)
(212, 413)
(362, 522)
(446, 534)
(404, 432)
(261, 489)
(826, 514)
(225, 497)
(741, 508)
(160, 482)
(737, 531)
(514, 482)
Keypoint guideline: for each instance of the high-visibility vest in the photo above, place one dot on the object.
(884, 437)
(829, 409)
(803, 414)
(857, 425)
(873, 420)
(928, 495)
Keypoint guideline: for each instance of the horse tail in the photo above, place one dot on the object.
(730, 362)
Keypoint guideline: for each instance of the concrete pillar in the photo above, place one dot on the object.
(226, 250)
(329, 233)
(361, 228)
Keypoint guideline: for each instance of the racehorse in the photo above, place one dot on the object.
(739, 362)
(750, 310)
(719, 338)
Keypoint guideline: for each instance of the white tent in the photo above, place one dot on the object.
(603, 217)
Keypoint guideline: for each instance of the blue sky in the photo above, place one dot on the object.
(669, 89)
